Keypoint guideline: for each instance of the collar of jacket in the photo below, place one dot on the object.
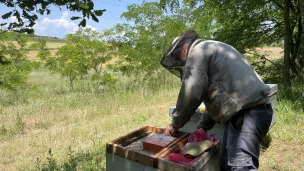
(197, 41)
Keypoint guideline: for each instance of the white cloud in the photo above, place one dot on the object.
(57, 27)
(11, 19)
(91, 27)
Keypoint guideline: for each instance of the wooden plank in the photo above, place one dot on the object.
(129, 141)
(165, 164)
(124, 138)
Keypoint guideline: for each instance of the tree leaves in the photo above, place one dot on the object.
(83, 23)
(14, 66)
(48, 12)
(7, 15)
(75, 18)
(94, 18)
(84, 6)
(30, 9)
(141, 45)
(99, 12)
(82, 52)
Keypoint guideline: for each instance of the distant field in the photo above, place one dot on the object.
(52, 45)
(32, 55)
(272, 52)
(49, 44)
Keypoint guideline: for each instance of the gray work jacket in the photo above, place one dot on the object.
(218, 75)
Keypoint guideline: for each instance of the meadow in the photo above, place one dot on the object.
(47, 127)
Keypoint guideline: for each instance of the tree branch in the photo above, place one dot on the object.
(298, 39)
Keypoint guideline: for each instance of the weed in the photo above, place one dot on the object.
(3, 130)
(51, 161)
(72, 162)
(38, 164)
(19, 124)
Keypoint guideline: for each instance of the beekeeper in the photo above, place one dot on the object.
(234, 95)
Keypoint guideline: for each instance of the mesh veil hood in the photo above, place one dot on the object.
(172, 58)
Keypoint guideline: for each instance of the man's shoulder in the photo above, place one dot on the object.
(207, 44)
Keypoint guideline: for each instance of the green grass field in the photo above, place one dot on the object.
(76, 125)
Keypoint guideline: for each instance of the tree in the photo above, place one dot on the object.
(14, 66)
(26, 12)
(70, 61)
(84, 50)
(98, 52)
(141, 44)
(248, 24)
(14, 70)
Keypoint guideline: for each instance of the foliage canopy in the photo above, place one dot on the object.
(26, 12)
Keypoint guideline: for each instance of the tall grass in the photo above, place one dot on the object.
(49, 116)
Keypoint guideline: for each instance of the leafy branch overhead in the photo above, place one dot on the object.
(26, 12)
(250, 24)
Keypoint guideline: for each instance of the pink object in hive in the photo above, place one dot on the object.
(196, 136)
(180, 158)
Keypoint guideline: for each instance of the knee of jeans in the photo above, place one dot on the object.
(244, 162)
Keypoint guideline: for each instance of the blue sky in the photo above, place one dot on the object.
(58, 23)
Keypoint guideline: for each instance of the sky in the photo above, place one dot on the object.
(58, 23)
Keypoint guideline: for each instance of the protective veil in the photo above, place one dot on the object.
(172, 60)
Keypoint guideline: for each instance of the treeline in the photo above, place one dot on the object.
(33, 37)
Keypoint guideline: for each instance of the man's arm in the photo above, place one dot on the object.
(194, 84)
(190, 96)
(206, 122)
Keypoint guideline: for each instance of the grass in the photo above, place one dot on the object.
(48, 127)
(50, 117)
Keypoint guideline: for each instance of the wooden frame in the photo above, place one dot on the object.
(120, 147)
(164, 164)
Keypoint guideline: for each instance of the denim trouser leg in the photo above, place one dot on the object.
(242, 138)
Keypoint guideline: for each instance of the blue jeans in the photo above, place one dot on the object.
(243, 135)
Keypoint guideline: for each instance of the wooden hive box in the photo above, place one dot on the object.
(130, 148)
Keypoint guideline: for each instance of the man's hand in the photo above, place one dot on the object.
(170, 131)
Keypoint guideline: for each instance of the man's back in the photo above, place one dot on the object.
(232, 82)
